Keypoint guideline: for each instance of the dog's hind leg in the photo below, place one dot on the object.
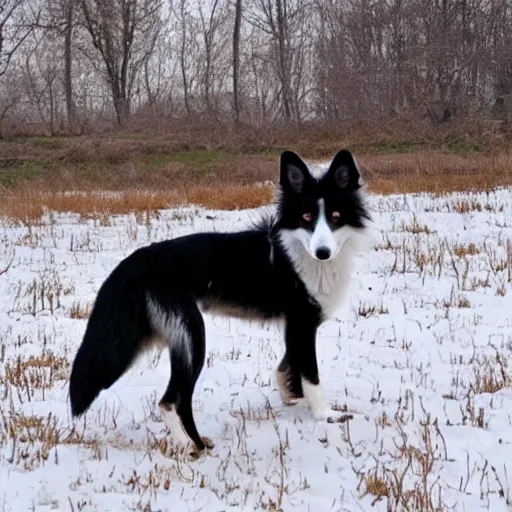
(185, 333)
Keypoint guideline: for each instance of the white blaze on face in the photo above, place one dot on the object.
(322, 238)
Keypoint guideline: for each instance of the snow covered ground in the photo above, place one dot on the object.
(420, 357)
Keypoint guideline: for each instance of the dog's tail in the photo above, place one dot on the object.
(116, 332)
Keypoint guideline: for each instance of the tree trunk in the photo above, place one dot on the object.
(120, 104)
(236, 58)
(68, 82)
(283, 59)
(183, 64)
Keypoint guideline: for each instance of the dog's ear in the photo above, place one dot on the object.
(344, 171)
(294, 173)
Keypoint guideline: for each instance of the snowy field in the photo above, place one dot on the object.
(420, 358)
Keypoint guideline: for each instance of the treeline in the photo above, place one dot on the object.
(81, 65)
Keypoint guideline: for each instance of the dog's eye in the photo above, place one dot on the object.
(335, 216)
(307, 217)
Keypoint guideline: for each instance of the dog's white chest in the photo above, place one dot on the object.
(326, 281)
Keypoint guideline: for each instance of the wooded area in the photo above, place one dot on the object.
(81, 66)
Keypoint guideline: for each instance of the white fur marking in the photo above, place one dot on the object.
(178, 436)
(327, 281)
(170, 327)
(314, 395)
(322, 236)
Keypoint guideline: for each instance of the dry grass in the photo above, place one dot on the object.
(233, 191)
(231, 197)
(223, 166)
(368, 310)
(491, 375)
(415, 227)
(461, 250)
(455, 301)
(28, 205)
(144, 136)
(31, 438)
(79, 311)
(409, 482)
(375, 486)
(28, 376)
(436, 172)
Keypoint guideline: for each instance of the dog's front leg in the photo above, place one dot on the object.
(288, 381)
(297, 374)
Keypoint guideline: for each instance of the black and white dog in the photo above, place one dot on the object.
(294, 266)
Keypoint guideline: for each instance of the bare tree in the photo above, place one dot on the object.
(212, 15)
(68, 61)
(283, 61)
(10, 96)
(273, 18)
(16, 24)
(236, 58)
(209, 25)
(59, 18)
(180, 12)
(42, 79)
(124, 33)
(155, 71)
(284, 22)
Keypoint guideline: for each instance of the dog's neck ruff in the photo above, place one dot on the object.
(326, 281)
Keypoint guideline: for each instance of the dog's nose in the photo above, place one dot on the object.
(323, 253)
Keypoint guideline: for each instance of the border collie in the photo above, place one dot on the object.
(293, 266)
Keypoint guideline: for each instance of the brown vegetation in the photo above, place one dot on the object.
(220, 166)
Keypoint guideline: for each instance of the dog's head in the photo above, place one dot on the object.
(320, 212)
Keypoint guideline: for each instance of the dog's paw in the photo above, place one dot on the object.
(331, 415)
(171, 449)
(189, 450)
(323, 414)
(195, 452)
(289, 400)
(208, 443)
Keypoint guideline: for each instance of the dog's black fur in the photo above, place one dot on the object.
(157, 293)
